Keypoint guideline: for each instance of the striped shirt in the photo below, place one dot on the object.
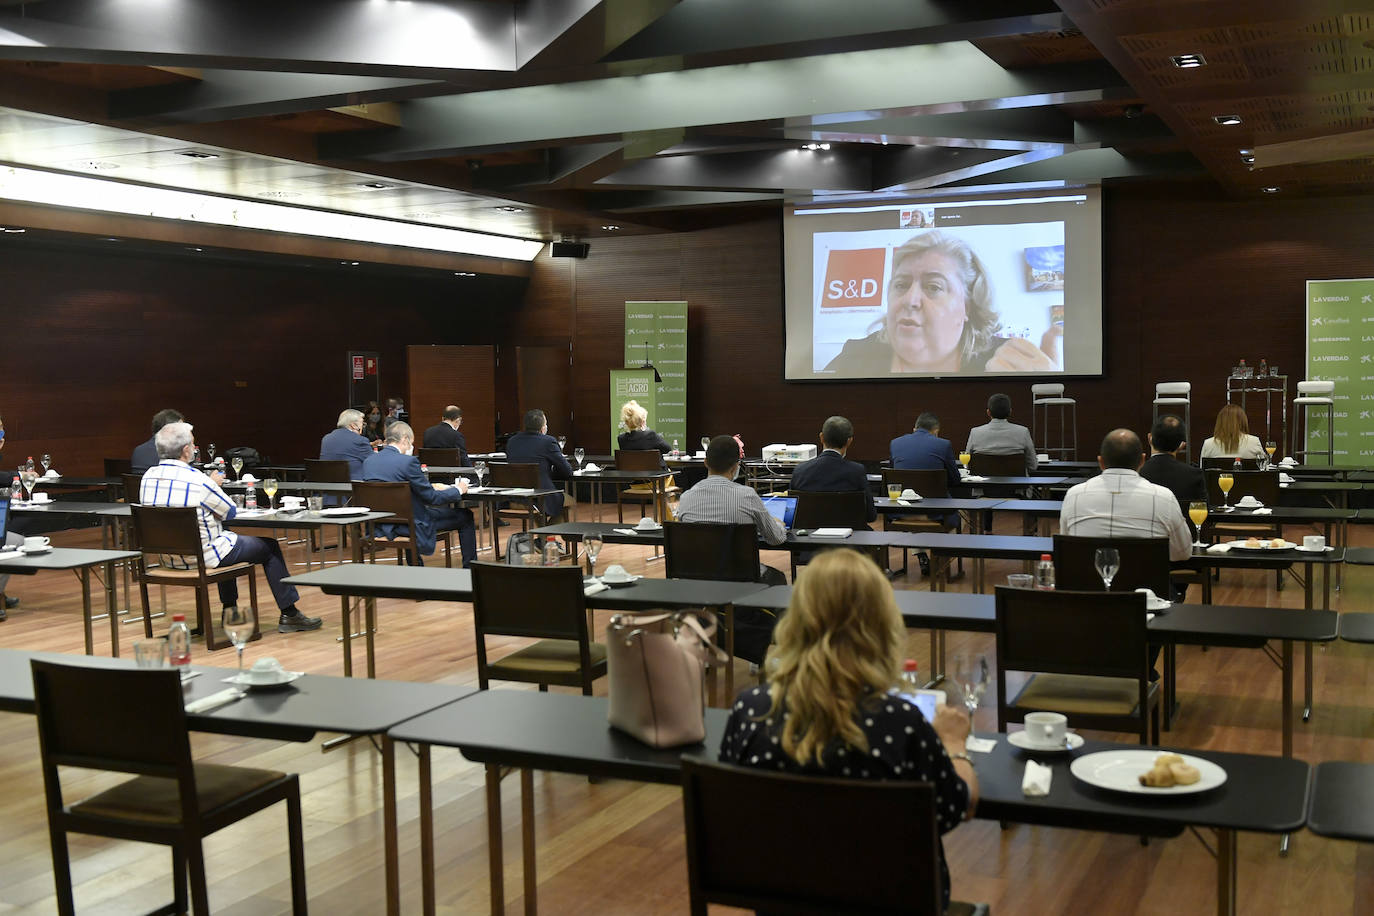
(722, 501)
(175, 483)
(1119, 503)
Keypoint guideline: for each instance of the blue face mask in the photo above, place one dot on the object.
(2, 434)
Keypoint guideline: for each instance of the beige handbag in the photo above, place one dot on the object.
(658, 676)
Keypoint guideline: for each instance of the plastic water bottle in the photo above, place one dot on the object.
(1044, 572)
(16, 488)
(910, 682)
(1236, 466)
(179, 641)
(250, 499)
(676, 451)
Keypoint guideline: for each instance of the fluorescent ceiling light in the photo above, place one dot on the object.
(58, 189)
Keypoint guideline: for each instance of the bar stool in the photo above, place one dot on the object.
(1172, 396)
(1318, 395)
(1043, 397)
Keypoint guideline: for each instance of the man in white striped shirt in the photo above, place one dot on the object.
(174, 482)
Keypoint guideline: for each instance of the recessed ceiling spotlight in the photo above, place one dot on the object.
(14, 230)
(815, 146)
(349, 263)
(1247, 157)
(1227, 120)
(463, 273)
(375, 185)
(1188, 61)
(197, 154)
(1270, 189)
(278, 195)
(509, 209)
(193, 248)
(611, 228)
(99, 165)
(110, 238)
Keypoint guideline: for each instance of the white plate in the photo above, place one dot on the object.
(34, 551)
(1287, 545)
(1019, 739)
(1120, 771)
(655, 529)
(622, 583)
(337, 511)
(246, 679)
(1314, 549)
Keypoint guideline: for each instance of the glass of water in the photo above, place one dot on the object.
(1108, 561)
(578, 455)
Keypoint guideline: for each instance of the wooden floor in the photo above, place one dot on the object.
(617, 847)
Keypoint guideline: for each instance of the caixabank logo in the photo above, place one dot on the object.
(853, 278)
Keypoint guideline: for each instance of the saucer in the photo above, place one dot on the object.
(621, 583)
(34, 551)
(1325, 549)
(278, 679)
(1019, 739)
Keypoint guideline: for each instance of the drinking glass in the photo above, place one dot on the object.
(1197, 511)
(1226, 482)
(965, 458)
(894, 491)
(481, 468)
(1271, 446)
(238, 626)
(562, 443)
(211, 449)
(578, 455)
(269, 486)
(46, 461)
(237, 464)
(705, 443)
(971, 675)
(1108, 561)
(28, 478)
(592, 543)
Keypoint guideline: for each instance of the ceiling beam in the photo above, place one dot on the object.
(773, 170)
(1091, 165)
(835, 86)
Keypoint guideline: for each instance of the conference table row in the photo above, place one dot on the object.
(567, 733)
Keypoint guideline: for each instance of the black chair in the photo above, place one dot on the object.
(1227, 464)
(327, 471)
(1144, 564)
(929, 483)
(985, 465)
(643, 494)
(114, 467)
(824, 509)
(1089, 654)
(535, 602)
(522, 476)
(744, 851)
(1264, 486)
(705, 550)
(394, 496)
(440, 457)
(133, 721)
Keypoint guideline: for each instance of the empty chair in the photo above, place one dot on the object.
(826, 509)
(326, 471)
(928, 483)
(643, 494)
(1173, 397)
(1144, 564)
(133, 721)
(440, 457)
(1318, 397)
(1043, 397)
(117, 466)
(706, 550)
(1227, 464)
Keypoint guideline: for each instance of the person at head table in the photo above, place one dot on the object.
(831, 706)
(1231, 436)
(941, 319)
(637, 435)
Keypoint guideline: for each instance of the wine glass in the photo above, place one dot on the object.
(195, 456)
(578, 455)
(46, 461)
(1226, 482)
(238, 626)
(593, 544)
(705, 443)
(269, 486)
(562, 443)
(965, 458)
(28, 478)
(971, 675)
(1108, 561)
(1197, 511)
(481, 468)
(211, 449)
(237, 464)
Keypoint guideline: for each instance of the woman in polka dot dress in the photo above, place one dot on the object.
(831, 707)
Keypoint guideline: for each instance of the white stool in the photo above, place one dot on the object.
(1313, 395)
(1043, 397)
(1173, 396)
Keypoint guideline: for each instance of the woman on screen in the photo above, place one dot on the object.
(940, 319)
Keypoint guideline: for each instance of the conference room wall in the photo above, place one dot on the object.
(1193, 282)
(94, 343)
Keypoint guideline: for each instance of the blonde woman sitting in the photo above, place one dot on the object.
(637, 435)
(1231, 437)
(831, 705)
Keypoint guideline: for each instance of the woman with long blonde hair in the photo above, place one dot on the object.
(831, 705)
(1231, 436)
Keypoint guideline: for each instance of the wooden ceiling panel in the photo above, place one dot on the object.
(105, 77)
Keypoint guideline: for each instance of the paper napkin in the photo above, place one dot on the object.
(213, 701)
(1219, 548)
(594, 588)
(974, 478)
(1264, 511)
(1036, 782)
(979, 745)
(627, 531)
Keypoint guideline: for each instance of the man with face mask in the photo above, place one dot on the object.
(430, 503)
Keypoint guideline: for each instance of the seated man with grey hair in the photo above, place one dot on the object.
(347, 443)
(174, 482)
(431, 504)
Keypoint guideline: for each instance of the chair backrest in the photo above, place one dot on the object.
(818, 509)
(1070, 632)
(537, 602)
(634, 459)
(1174, 390)
(318, 471)
(515, 475)
(1226, 464)
(705, 550)
(987, 465)
(1047, 390)
(1144, 564)
(133, 484)
(743, 851)
(931, 483)
(116, 466)
(1263, 485)
(168, 531)
(440, 457)
(386, 496)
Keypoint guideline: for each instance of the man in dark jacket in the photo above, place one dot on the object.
(1163, 467)
(534, 445)
(830, 471)
(447, 434)
(347, 443)
(431, 505)
(145, 455)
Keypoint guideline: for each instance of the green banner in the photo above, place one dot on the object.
(1340, 340)
(658, 331)
(626, 385)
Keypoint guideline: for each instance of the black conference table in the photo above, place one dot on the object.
(311, 704)
(80, 561)
(1342, 801)
(1357, 627)
(568, 733)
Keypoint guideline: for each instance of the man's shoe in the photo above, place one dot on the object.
(298, 623)
(11, 602)
(502, 523)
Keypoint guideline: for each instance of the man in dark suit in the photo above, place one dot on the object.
(431, 504)
(1163, 466)
(534, 445)
(446, 434)
(923, 449)
(145, 455)
(830, 471)
(347, 443)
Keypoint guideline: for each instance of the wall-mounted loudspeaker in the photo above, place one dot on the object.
(570, 249)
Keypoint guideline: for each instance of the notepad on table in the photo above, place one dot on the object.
(832, 532)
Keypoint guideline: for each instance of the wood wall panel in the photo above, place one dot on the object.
(465, 376)
(1192, 282)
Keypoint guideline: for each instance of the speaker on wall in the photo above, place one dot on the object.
(570, 249)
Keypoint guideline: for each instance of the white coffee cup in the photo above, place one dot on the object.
(646, 522)
(1042, 457)
(1046, 727)
(292, 502)
(909, 493)
(1248, 500)
(1313, 542)
(36, 542)
(41, 497)
(615, 573)
(265, 670)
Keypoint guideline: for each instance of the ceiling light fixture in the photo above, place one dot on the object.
(510, 209)
(197, 154)
(375, 185)
(1188, 61)
(815, 146)
(14, 230)
(611, 228)
(463, 273)
(1270, 189)
(1227, 120)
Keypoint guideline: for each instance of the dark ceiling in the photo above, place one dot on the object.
(560, 118)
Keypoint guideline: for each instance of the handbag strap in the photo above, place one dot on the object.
(704, 644)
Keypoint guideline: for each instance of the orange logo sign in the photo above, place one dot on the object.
(853, 278)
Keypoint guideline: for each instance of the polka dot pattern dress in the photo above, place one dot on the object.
(902, 745)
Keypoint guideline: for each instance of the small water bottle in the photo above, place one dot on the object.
(250, 498)
(179, 641)
(1236, 466)
(1264, 368)
(1044, 572)
(910, 682)
(16, 488)
(676, 450)
(28, 465)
